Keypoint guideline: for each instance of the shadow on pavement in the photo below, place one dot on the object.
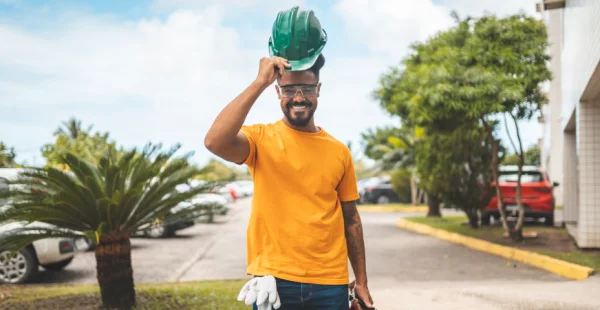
(64, 276)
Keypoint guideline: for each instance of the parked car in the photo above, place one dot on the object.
(537, 194)
(234, 190)
(226, 192)
(169, 228)
(53, 254)
(378, 190)
(245, 188)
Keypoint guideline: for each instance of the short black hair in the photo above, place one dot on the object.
(316, 67)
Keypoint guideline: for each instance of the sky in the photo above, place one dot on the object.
(161, 70)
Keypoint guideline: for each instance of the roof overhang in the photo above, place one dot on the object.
(546, 5)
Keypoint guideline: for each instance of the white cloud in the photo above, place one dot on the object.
(10, 2)
(184, 70)
(235, 8)
(166, 80)
(178, 4)
(498, 7)
(153, 80)
(389, 27)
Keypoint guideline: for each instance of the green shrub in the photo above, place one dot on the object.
(401, 184)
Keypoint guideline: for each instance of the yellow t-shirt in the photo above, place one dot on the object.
(296, 228)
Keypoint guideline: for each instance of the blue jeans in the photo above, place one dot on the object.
(296, 296)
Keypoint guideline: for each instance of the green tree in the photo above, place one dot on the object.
(511, 160)
(453, 167)
(402, 182)
(72, 138)
(106, 202)
(7, 156)
(533, 156)
(216, 170)
(72, 128)
(474, 72)
(373, 139)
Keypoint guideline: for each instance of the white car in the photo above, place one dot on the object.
(246, 188)
(52, 254)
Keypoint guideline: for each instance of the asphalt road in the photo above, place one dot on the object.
(406, 270)
(153, 260)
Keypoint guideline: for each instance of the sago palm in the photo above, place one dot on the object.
(107, 202)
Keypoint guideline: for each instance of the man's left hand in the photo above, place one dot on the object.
(362, 291)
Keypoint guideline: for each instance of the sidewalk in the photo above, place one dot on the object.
(225, 255)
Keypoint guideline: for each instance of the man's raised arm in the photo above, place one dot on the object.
(224, 138)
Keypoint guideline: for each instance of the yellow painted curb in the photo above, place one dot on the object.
(392, 209)
(557, 266)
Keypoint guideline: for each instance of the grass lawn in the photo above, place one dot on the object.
(186, 295)
(551, 241)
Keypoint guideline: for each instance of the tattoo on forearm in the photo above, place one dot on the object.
(354, 240)
(350, 215)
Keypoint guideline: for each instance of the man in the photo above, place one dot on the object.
(304, 223)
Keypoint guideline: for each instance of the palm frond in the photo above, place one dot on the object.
(191, 212)
(86, 173)
(163, 197)
(120, 193)
(18, 238)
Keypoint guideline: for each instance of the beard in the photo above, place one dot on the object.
(299, 118)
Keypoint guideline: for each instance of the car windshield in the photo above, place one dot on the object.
(527, 177)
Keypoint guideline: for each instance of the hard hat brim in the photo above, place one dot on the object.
(300, 64)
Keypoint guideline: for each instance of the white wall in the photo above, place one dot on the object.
(554, 132)
(581, 50)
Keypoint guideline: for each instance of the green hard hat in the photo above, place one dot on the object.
(298, 37)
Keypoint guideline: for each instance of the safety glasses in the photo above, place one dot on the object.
(306, 90)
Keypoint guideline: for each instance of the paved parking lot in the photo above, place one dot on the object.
(154, 260)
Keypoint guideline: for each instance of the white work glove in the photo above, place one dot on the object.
(249, 292)
(262, 291)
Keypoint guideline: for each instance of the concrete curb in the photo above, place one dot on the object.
(556, 266)
(393, 209)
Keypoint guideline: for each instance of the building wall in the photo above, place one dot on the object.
(574, 124)
(554, 21)
(581, 50)
(588, 132)
(571, 180)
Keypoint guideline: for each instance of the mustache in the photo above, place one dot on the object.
(290, 104)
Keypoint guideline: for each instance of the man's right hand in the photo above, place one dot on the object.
(271, 68)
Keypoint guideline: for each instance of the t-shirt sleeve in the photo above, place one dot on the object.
(253, 134)
(348, 189)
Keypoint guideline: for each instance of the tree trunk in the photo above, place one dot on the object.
(518, 229)
(494, 168)
(413, 191)
(114, 271)
(434, 207)
(473, 216)
(420, 196)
